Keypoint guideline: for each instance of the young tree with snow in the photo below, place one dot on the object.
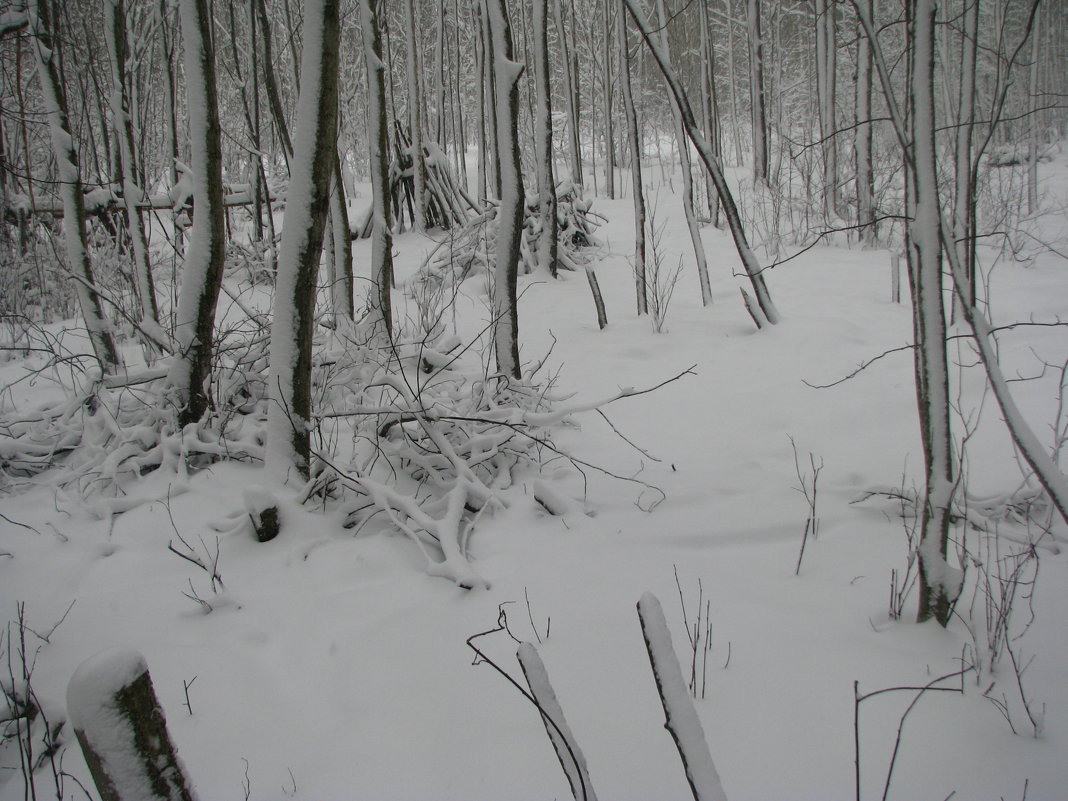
(307, 204)
(939, 584)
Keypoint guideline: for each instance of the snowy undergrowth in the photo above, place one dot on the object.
(337, 667)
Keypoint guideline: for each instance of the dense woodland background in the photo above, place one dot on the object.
(184, 183)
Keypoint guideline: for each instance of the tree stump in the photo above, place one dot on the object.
(122, 730)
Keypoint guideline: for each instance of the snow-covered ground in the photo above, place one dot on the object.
(336, 668)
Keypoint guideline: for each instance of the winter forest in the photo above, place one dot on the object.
(533, 399)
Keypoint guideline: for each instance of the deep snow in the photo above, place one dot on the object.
(337, 669)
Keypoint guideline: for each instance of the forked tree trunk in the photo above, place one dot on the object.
(70, 185)
(377, 137)
(202, 273)
(506, 74)
(289, 411)
(634, 143)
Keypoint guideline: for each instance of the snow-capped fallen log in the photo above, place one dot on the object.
(681, 718)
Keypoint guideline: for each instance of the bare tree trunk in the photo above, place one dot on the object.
(506, 74)
(482, 176)
(567, 46)
(1032, 124)
(825, 92)
(687, 170)
(606, 79)
(132, 191)
(862, 142)
(202, 274)
(289, 412)
(415, 117)
(635, 145)
(70, 183)
(963, 185)
(710, 108)
(543, 141)
(270, 82)
(939, 584)
(341, 241)
(758, 113)
(378, 138)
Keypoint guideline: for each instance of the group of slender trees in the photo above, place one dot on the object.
(849, 116)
